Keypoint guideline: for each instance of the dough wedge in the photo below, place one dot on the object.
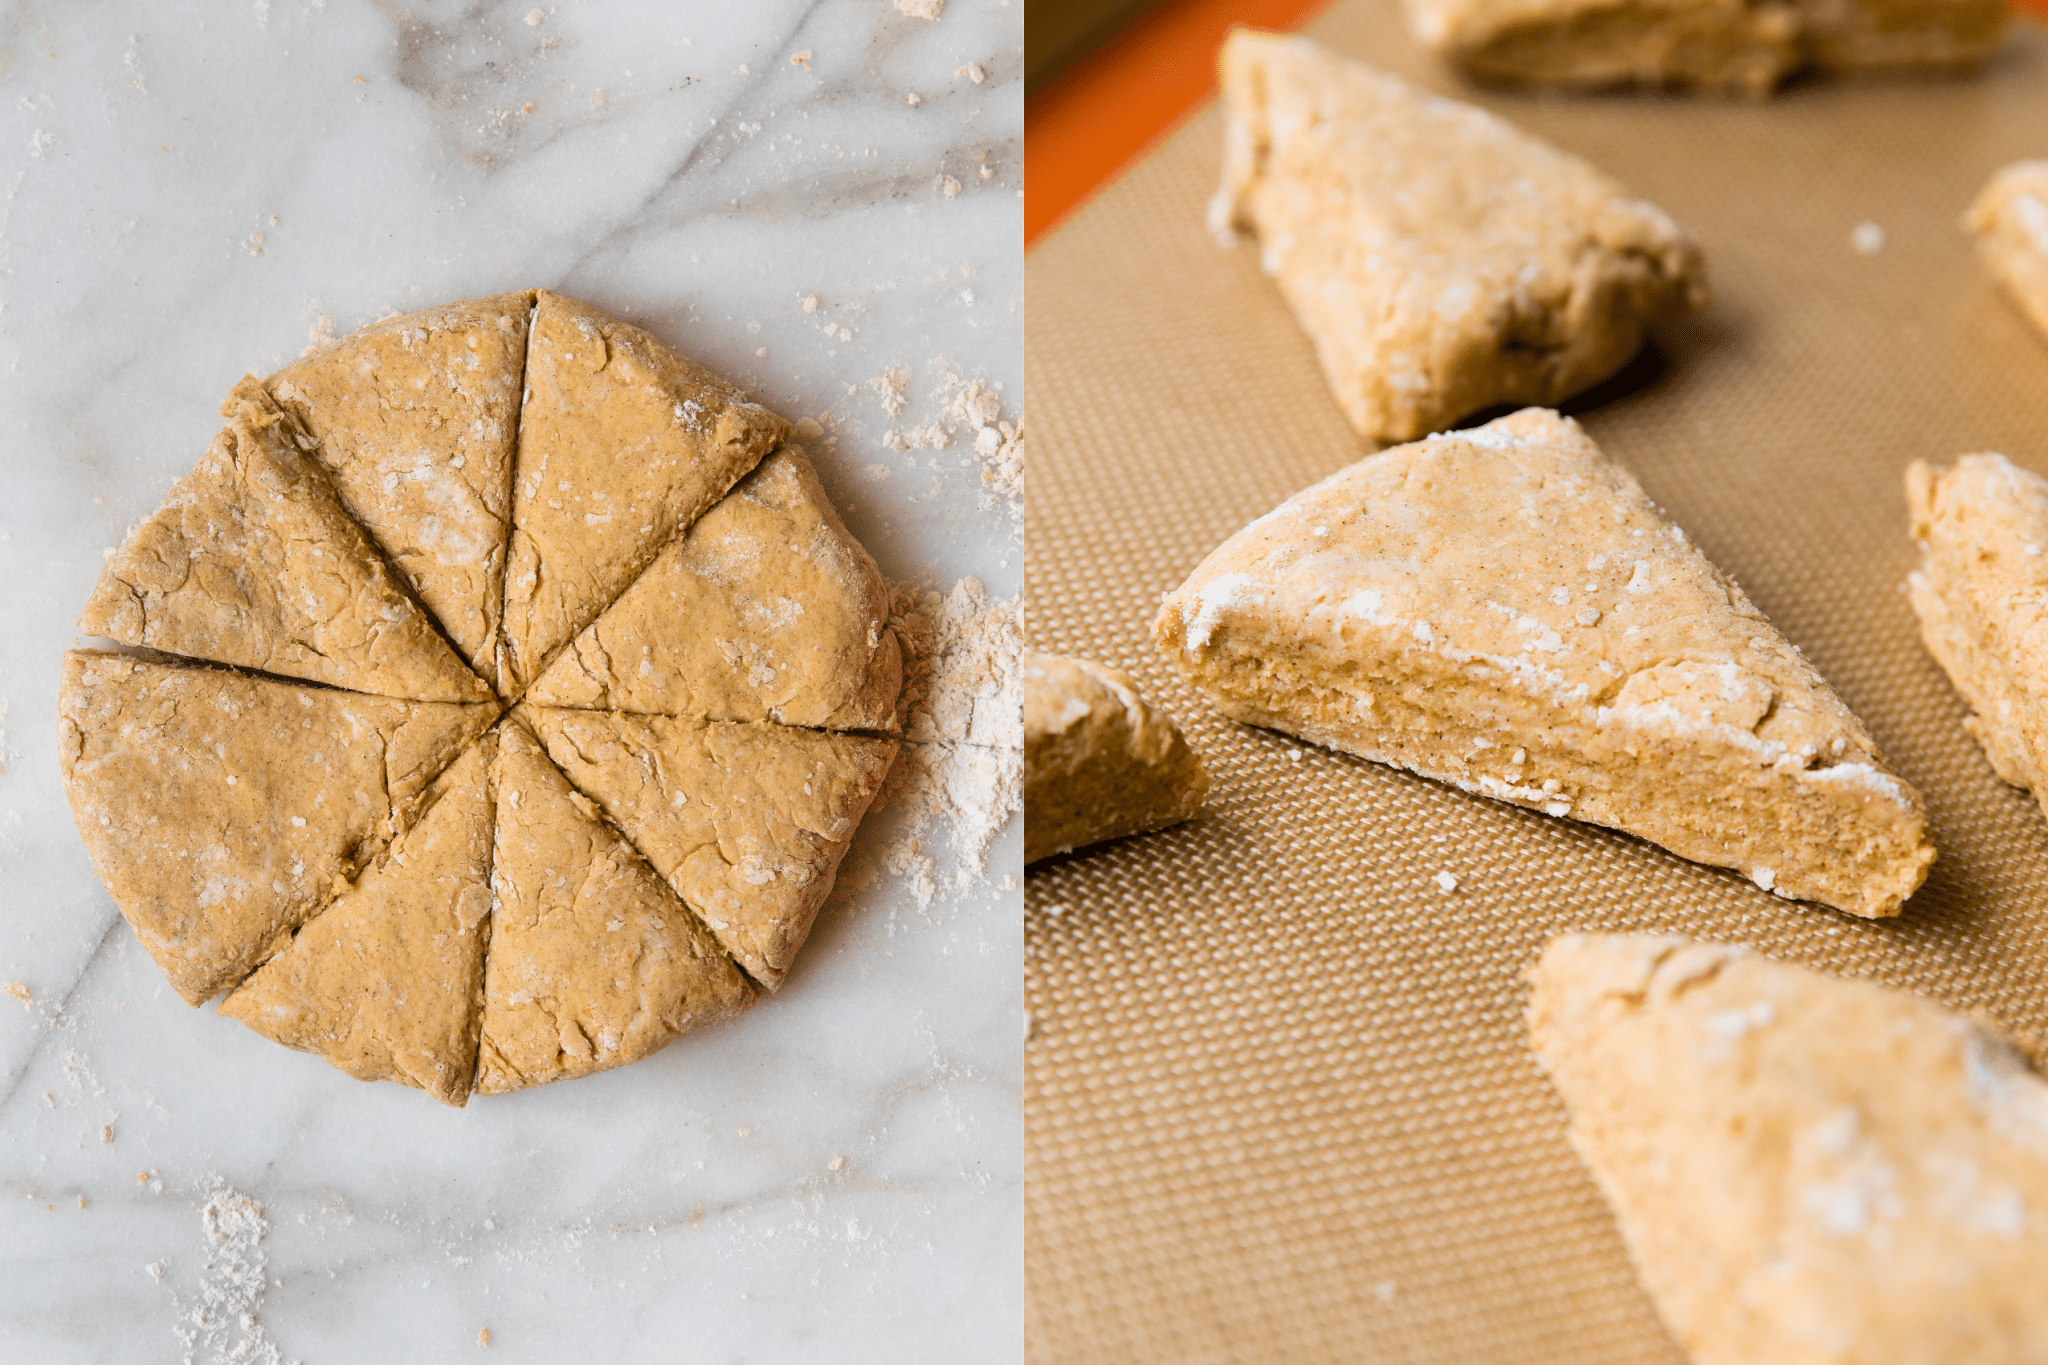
(1504, 609)
(387, 983)
(222, 810)
(1704, 44)
(593, 962)
(252, 561)
(1441, 260)
(788, 619)
(747, 822)
(1804, 1168)
(622, 444)
(2010, 222)
(1982, 525)
(416, 418)
(1100, 762)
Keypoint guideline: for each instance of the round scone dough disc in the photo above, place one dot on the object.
(395, 875)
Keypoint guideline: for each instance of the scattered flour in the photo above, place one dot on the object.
(320, 333)
(222, 1323)
(892, 388)
(962, 765)
(922, 9)
(972, 408)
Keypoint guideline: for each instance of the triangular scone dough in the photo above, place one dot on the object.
(1440, 259)
(222, 810)
(788, 619)
(747, 822)
(2010, 221)
(416, 417)
(594, 963)
(622, 444)
(1504, 609)
(1713, 46)
(1804, 1168)
(1100, 761)
(387, 982)
(1982, 596)
(252, 561)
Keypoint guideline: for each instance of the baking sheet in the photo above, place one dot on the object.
(1280, 1103)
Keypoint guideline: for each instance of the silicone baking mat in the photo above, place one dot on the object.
(1280, 1104)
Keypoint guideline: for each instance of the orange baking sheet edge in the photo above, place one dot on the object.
(1122, 100)
(1117, 103)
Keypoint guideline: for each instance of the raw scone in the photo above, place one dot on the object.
(252, 561)
(2010, 222)
(1709, 44)
(1440, 259)
(387, 983)
(747, 822)
(1099, 761)
(1981, 593)
(222, 810)
(1503, 609)
(1804, 1168)
(788, 619)
(593, 963)
(622, 444)
(415, 418)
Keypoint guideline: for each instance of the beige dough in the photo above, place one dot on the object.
(747, 822)
(252, 561)
(416, 417)
(549, 482)
(594, 963)
(1804, 1168)
(2010, 223)
(622, 444)
(1980, 593)
(1728, 45)
(387, 982)
(1503, 609)
(788, 619)
(1100, 761)
(222, 810)
(1440, 259)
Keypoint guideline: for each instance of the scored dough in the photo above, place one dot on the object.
(1100, 761)
(387, 982)
(1440, 259)
(747, 822)
(593, 963)
(1505, 610)
(2010, 222)
(1981, 593)
(222, 810)
(339, 860)
(623, 443)
(416, 417)
(788, 619)
(1709, 44)
(1804, 1168)
(252, 561)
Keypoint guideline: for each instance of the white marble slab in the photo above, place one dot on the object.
(834, 1176)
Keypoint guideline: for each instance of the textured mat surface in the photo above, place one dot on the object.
(1280, 1102)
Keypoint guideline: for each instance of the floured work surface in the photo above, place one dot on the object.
(1280, 1100)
